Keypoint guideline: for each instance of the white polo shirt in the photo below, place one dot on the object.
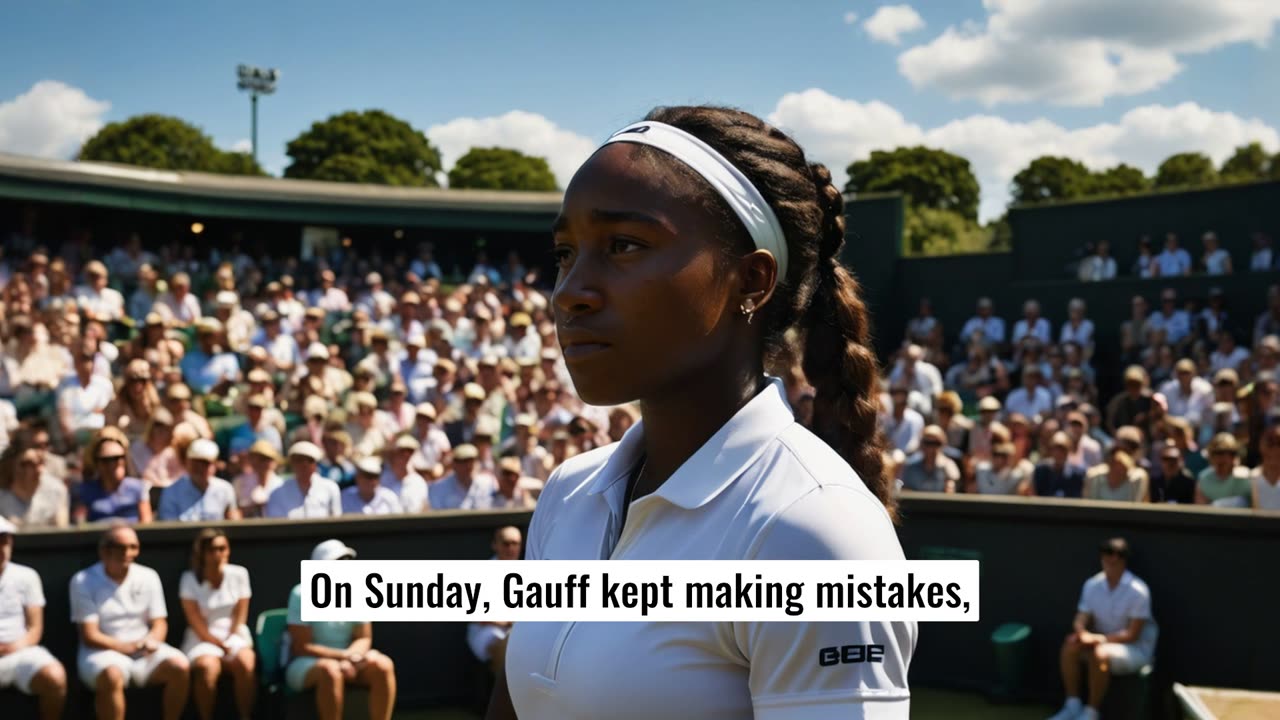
(123, 611)
(411, 491)
(1112, 609)
(762, 488)
(20, 588)
(323, 499)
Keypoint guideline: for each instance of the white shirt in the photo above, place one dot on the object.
(448, 494)
(1030, 405)
(1176, 325)
(762, 488)
(1082, 334)
(1215, 263)
(411, 491)
(20, 588)
(1218, 361)
(1112, 609)
(1268, 499)
(1190, 405)
(1096, 267)
(1173, 263)
(86, 403)
(1040, 329)
(904, 434)
(992, 329)
(217, 604)
(1261, 259)
(322, 500)
(183, 501)
(384, 502)
(123, 611)
(107, 304)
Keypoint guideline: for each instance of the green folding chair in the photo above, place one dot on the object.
(268, 633)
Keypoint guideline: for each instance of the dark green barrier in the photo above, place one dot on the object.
(873, 245)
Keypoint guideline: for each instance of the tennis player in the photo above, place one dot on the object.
(688, 245)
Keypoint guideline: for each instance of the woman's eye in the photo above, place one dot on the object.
(560, 254)
(623, 245)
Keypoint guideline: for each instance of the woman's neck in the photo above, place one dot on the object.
(213, 575)
(25, 488)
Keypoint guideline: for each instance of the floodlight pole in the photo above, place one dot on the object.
(258, 82)
(253, 103)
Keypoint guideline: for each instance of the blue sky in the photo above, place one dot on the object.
(1115, 84)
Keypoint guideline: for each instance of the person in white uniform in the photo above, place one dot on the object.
(687, 245)
(200, 495)
(488, 640)
(24, 664)
(307, 494)
(215, 600)
(368, 496)
(119, 606)
(1113, 632)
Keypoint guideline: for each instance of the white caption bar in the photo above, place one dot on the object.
(639, 590)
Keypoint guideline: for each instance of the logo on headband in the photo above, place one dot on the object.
(640, 129)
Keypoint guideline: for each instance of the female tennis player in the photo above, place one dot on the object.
(688, 245)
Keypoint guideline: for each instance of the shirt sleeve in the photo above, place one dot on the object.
(187, 587)
(83, 608)
(156, 608)
(294, 616)
(812, 671)
(246, 588)
(33, 593)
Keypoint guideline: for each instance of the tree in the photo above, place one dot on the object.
(364, 147)
(931, 231)
(929, 178)
(165, 143)
(1249, 162)
(1191, 169)
(1119, 180)
(501, 169)
(1049, 178)
(1275, 167)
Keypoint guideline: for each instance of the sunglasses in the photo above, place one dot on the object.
(119, 546)
(110, 459)
(218, 548)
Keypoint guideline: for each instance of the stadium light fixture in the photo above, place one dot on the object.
(197, 228)
(258, 81)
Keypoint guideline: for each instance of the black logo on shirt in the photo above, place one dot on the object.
(846, 654)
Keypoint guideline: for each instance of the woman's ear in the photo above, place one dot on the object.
(758, 271)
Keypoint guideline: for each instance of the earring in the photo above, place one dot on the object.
(748, 309)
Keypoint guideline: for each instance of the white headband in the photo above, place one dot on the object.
(747, 202)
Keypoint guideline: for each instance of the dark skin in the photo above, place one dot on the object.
(642, 271)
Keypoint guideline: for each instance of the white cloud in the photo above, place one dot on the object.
(243, 145)
(1080, 52)
(850, 18)
(52, 120)
(527, 132)
(888, 23)
(837, 131)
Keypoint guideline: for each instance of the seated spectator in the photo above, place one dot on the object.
(1188, 395)
(1227, 355)
(83, 399)
(1055, 477)
(952, 420)
(368, 496)
(1175, 322)
(984, 328)
(400, 478)
(1265, 478)
(1113, 632)
(924, 329)
(335, 464)
(1077, 329)
(178, 403)
(109, 491)
(981, 438)
(1032, 325)
(1032, 399)
(327, 656)
(1132, 406)
(903, 425)
(1099, 266)
(207, 368)
(1173, 261)
(514, 491)
(152, 439)
(255, 484)
(306, 494)
(119, 606)
(215, 601)
(257, 429)
(434, 444)
(34, 498)
(919, 375)
(931, 471)
(170, 463)
(1085, 451)
(178, 306)
(464, 488)
(1174, 483)
(1215, 260)
(1224, 483)
(200, 496)
(1260, 260)
(368, 435)
(1119, 479)
(488, 640)
(1003, 474)
(138, 400)
(24, 663)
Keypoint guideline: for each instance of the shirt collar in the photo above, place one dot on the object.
(733, 448)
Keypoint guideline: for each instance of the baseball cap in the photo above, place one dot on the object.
(317, 351)
(473, 391)
(178, 392)
(306, 449)
(203, 449)
(1226, 375)
(521, 319)
(934, 433)
(369, 465)
(989, 404)
(258, 401)
(465, 451)
(426, 409)
(509, 464)
(226, 298)
(333, 550)
(265, 449)
(407, 442)
(526, 420)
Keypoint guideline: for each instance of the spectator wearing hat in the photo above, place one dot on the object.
(1004, 473)
(1174, 483)
(988, 424)
(400, 414)
(1265, 478)
(316, 377)
(406, 323)
(1133, 405)
(521, 341)
(256, 427)
(416, 368)
(488, 640)
(984, 328)
(375, 301)
(110, 490)
(329, 297)
(178, 305)
(369, 432)
(1113, 632)
(154, 338)
(1223, 414)
(143, 299)
(931, 470)
(462, 429)
(306, 494)
(34, 498)
(24, 663)
(368, 496)
(514, 491)
(399, 477)
(380, 362)
(310, 330)
(434, 445)
(207, 368)
(291, 309)
(315, 413)
(281, 347)
(1224, 483)
(903, 425)
(95, 299)
(487, 430)
(1215, 260)
(1118, 479)
(200, 496)
(336, 464)
(325, 657)
(255, 484)
(465, 487)
(535, 460)
(1085, 451)
(236, 321)
(138, 399)
(1188, 395)
(918, 375)
(120, 609)
(1054, 476)
(1032, 399)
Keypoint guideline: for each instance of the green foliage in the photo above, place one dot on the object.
(1191, 169)
(501, 169)
(1000, 234)
(930, 231)
(1274, 173)
(1119, 180)
(929, 178)
(164, 143)
(1050, 178)
(364, 147)
(1249, 162)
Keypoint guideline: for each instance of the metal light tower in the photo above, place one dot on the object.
(258, 82)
